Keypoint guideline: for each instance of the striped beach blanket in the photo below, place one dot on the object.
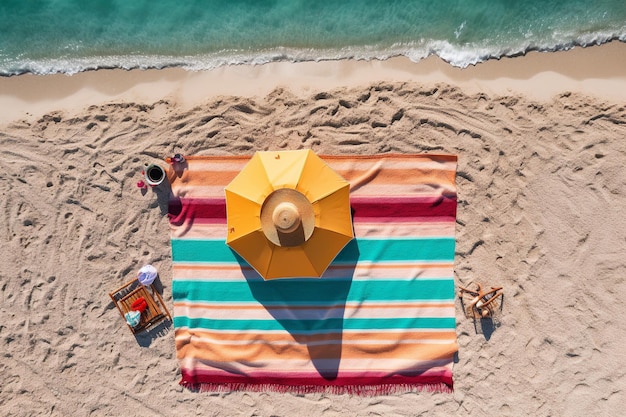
(380, 320)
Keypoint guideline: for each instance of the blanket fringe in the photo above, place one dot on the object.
(360, 390)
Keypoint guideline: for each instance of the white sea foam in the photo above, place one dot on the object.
(457, 55)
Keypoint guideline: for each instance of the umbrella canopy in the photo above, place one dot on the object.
(288, 214)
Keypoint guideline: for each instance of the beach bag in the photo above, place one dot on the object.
(146, 275)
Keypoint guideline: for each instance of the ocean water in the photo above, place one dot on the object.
(68, 36)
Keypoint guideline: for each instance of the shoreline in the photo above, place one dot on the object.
(537, 75)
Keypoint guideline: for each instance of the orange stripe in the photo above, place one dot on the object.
(416, 160)
(413, 157)
(184, 336)
(180, 266)
(386, 176)
(203, 177)
(261, 352)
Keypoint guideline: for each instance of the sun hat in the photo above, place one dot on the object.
(146, 275)
(287, 217)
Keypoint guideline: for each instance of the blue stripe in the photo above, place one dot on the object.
(376, 250)
(312, 291)
(313, 326)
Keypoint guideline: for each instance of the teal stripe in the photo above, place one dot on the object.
(313, 291)
(378, 250)
(308, 326)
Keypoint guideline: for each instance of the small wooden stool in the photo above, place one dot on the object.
(480, 303)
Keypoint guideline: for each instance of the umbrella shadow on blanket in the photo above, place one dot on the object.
(312, 309)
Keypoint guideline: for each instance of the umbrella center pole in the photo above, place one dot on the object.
(286, 217)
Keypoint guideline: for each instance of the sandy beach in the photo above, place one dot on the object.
(541, 151)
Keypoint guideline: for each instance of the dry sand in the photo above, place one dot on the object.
(542, 192)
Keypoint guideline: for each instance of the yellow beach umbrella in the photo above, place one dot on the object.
(288, 214)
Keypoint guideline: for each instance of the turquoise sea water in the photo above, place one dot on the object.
(68, 36)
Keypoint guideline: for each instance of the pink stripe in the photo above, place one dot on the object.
(197, 210)
(371, 209)
(403, 208)
(195, 378)
(428, 369)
